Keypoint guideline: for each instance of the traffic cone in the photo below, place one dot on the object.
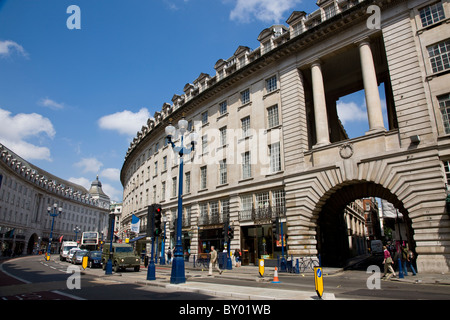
(275, 276)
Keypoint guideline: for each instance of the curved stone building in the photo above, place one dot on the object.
(26, 192)
(271, 143)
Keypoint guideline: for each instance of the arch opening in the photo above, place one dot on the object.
(349, 220)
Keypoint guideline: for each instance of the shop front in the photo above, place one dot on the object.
(259, 242)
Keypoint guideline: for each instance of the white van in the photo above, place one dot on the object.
(65, 248)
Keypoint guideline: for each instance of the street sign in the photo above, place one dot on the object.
(84, 262)
(318, 278)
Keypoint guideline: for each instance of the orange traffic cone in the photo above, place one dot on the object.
(275, 276)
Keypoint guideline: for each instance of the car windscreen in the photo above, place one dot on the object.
(96, 254)
(124, 249)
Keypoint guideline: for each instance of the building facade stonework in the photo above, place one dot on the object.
(27, 191)
(271, 143)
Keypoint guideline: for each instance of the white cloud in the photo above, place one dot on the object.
(264, 10)
(16, 130)
(351, 112)
(82, 182)
(112, 174)
(7, 47)
(51, 104)
(125, 122)
(89, 165)
(113, 193)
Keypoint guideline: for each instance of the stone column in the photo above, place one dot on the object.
(371, 88)
(320, 107)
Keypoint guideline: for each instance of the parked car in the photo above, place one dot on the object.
(71, 253)
(95, 259)
(78, 256)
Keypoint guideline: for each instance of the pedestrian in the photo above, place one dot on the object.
(213, 261)
(409, 260)
(169, 255)
(237, 256)
(387, 261)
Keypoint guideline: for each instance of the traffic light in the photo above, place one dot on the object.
(275, 227)
(230, 233)
(158, 217)
(224, 231)
(150, 221)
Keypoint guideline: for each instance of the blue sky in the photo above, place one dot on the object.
(71, 100)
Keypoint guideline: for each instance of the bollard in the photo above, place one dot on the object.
(400, 269)
(261, 268)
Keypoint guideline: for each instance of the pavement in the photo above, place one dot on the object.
(251, 275)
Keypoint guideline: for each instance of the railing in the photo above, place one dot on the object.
(265, 213)
(210, 219)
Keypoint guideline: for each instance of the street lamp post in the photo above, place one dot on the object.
(76, 230)
(178, 274)
(56, 212)
(108, 269)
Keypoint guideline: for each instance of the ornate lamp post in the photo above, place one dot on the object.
(56, 212)
(178, 275)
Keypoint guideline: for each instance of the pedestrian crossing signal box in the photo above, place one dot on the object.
(318, 278)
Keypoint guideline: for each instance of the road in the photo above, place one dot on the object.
(36, 279)
(33, 278)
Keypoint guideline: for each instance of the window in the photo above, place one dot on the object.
(439, 56)
(164, 163)
(271, 84)
(246, 166)
(156, 168)
(187, 179)
(272, 116)
(223, 108)
(275, 157)
(329, 11)
(444, 105)
(163, 191)
(447, 173)
(204, 117)
(223, 136)
(245, 96)
(174, 187)
(278, 199)
(246, 202)
(431, 14)
(203, 177)
(223, 172)
(204, 144)
(190, 128)
(245, 124)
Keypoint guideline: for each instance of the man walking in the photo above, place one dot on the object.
(213, 261)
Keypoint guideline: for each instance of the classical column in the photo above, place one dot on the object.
(320, 106)
(371, 88)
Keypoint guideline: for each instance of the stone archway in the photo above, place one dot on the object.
(332, 229)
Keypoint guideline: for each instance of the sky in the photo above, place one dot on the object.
(76, 86)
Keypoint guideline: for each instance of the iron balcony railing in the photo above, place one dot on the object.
(264, 213)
